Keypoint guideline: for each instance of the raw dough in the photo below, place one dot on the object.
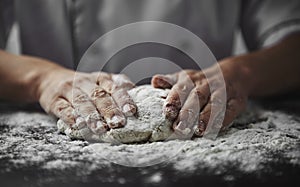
(148, 125)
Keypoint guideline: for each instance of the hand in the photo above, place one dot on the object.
(190, 99)
(97, 100)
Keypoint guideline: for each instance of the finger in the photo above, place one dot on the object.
(120, 85)
(164, 81)
(107, 107)
(63, 109)
(189, 113)
(177, 96)
(97, 126)
(212, 114)
(121, 81)
(109, 82)
(87, 114)
(103, 101)
(103, 80)
(79, 99)
(124, 102)
(117, 85)
(234, 107)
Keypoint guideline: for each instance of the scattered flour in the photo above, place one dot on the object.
(258, 138)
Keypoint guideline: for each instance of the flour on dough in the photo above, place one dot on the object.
(149, 124)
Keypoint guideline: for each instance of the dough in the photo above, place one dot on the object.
(148, 125)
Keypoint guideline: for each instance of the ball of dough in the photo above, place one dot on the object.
(148, 125)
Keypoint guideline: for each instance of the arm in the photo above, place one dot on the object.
(21, 76)
(94, 99)
(273, 70)
(265, 22)
(266, 72)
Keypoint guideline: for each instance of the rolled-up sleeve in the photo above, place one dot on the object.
(265, 22)
(6, 20)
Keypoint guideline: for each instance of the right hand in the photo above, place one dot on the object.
(98, 100)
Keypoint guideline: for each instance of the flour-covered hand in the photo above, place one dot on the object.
(193, 93)
(98, 100)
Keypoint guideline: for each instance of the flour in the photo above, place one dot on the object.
(149, 124)
(258, 138)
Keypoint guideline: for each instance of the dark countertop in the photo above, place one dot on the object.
(71, 165)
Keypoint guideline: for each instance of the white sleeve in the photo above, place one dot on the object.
(265, 22)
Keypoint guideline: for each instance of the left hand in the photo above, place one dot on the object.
(190, 99)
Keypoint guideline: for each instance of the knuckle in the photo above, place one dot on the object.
(201, 94)
(98, 92)
(103, 80)
(64, 86)
(102, 76)
(59, 106)
(187, 75)
(205, 84)
(110, 110)
(193, 76)
(200, 77)
(182, 88)
(202, 81)
(80, 98)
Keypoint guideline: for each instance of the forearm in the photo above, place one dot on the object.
(273, 70)
(20, 76)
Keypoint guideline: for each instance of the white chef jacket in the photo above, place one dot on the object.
(62, 30)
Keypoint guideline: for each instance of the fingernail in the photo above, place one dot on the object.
(181, 127)
(116, 121)
(129, 109)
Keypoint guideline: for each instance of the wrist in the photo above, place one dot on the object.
(22, 78)
(39, 76)
(236, 69)
(50, 78)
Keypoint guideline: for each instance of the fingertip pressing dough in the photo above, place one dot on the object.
(149, 124)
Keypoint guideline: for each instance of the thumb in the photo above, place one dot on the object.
(164, 81)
